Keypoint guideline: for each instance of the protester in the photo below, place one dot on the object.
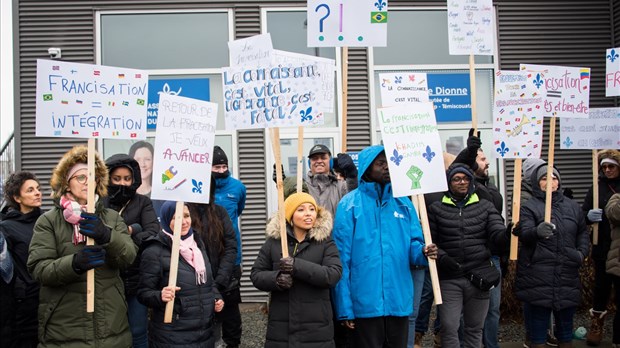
(555, 249)
(58, 259)
(608, 184)
(230, 193)
(612, 211)
(374, 298)
(464, 226)
(300, 312)
(23, 197)
(195, 296)
(142, 151)
(213, 227)
(138, 213)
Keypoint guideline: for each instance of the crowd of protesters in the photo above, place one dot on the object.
(356, 271)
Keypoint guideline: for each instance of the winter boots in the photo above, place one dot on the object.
(595, 334)
(417, 343)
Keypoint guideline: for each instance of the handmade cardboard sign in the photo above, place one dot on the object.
(90, 101)
(612, 75)
(601, 130)
(184, 144)
(252, 51)
(471, 27)
(399, 88)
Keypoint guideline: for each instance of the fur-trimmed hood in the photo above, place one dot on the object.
(321, 231)
(78, 154)
(613, 154)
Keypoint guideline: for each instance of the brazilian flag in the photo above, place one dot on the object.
(48, 97)
(378, 17)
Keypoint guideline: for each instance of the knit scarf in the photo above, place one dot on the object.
(71, 211)
(191, 253)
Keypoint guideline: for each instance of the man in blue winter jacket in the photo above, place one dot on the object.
(379, 237)
(230, 193)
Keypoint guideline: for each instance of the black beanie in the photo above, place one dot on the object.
(219, 156)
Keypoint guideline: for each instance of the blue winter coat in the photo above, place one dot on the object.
(379, 237)
(230, 194)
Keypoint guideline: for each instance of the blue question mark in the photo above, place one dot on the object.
(323, 18)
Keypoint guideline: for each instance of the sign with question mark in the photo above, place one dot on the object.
(355, 23)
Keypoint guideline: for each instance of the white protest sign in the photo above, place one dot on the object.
(601, 130)
(326, 74)
(252, 51)
(413, 149)
(398, 88)
(272, 96)
(337, 23)
(612, 75)
(517, 116)
(471, 27)
(184, 142)
(567, 89)
(90, 101)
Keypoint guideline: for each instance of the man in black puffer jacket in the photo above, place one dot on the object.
(463, 226)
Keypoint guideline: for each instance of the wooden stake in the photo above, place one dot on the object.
(550, 169)
(345, 94)
(300, 158)
(174, 258)
(516, 206)
(595, 194)
(90, 207)
(275, 142)
(432, 264)
(472, 87)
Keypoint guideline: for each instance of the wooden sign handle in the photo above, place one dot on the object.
(550, 169)
(432, 264)
(345, 94)
(516, 207)
(595, 194)
(275, 142)
(300, 158)
(472, 87)
(90, 207)
(174, 258)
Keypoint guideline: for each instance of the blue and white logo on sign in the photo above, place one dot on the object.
(190, 88)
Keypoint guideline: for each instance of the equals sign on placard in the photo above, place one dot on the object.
(554, 94)
(96, 104)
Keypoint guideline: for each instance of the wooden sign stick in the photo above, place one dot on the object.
(516, 207)
(472, 87)
(174, 258)
(595, 194)
(345, 93)
(90, 207)
(432, 264)
(300, 158)
(275, 142)
(550, 169)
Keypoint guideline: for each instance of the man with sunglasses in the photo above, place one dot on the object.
(608, 184)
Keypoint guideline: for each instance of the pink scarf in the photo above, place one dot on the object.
(71, 211)
(191, 253)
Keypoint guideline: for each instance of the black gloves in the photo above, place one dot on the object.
(545, 229)
(90, 257)
(91, 226)
(135, 228)
(509, 229)
(517, 229)
(448, 263)
(468, 155)
(343, 164)
(284, 281)
(275, 175)
(286, 265)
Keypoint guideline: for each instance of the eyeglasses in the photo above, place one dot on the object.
(80, 178)
(464, 179)
(608, 167)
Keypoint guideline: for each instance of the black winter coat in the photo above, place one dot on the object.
(302, 315)
(193, 305)
(464, 233)
(548, 269)
(606, 189)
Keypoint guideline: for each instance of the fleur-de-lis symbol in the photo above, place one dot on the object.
(568, 142)
(398, 79)
(502, 149)
(612, 55)
(538, 81)
(396, 158)
(197, 186)
(380, 5)
(305, 114)
(166, 90)
(428, 154)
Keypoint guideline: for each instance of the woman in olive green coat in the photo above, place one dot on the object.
(59, 259)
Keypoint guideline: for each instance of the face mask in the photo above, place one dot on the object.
(120, 194)
(218, 175)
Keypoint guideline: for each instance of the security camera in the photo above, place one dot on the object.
(54, 52)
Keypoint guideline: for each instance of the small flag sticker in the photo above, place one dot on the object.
(138, 76)
(125, 103)
(48, 97)
(133, 135)
(121, 76)
(378, 17)
(97, 73)
(140, 101)
(95, 134)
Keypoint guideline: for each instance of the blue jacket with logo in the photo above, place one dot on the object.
(230, 194)
(379, 237)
